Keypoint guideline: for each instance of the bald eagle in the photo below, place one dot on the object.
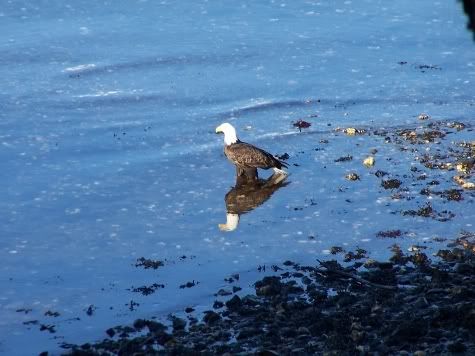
(246, 157)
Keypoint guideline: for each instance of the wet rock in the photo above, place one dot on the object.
(336, 249)
(452, 194)
(268, 286)
(234, 303)
(148, 263)
(344, 158)
(248, 332)
(152, 326)
(380, 173)
(188, 285)
(424, 211)
(236, 289)
(178, 324)
(369, 161)
(391, 183)
(211, 317)
(456, 125)
(464, 268)
(352, 176)
(218, 304)
(389, 234)
(223, 293)
(351, 131)
(465, 166)
(456, 347)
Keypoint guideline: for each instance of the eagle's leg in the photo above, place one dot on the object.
(241, 178)
(251, 174)
(239, 171)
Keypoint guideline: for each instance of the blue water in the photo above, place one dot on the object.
(108, 151)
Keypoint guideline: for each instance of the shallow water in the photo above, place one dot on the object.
(108, 149)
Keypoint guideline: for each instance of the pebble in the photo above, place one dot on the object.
(369, 161)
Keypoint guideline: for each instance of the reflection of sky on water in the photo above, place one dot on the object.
(108, 150)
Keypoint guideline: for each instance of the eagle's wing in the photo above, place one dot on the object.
(247, 155)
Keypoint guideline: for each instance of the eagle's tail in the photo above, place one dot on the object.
(283, 164)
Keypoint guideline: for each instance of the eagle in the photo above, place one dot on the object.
(246, 157)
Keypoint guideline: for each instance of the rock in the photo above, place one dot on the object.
(247, 333)
(236, 289)
(178, 324)
(218, 304)
(223, 293)
(369, 161)
(352, 176)
(268, 286)
(391, 184)
(463, 268)
(457, 347)
(234, 303)
(351, 131)
(303, 331)
(211, 317)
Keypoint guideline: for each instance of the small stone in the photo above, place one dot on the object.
(352, 176)
(423, 117)
(464, 167)
(369, 161)
(468, 185)
(303, 330)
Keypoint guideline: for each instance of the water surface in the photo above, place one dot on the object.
(108, 149)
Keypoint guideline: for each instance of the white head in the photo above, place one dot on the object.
(229, 133)
(232, 221)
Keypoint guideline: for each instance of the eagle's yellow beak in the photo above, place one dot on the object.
(218, 129)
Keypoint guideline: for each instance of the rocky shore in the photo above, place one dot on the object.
(407, 305)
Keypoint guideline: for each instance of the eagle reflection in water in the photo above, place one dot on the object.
(246, 196)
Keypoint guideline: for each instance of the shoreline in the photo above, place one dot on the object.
(405, 305)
